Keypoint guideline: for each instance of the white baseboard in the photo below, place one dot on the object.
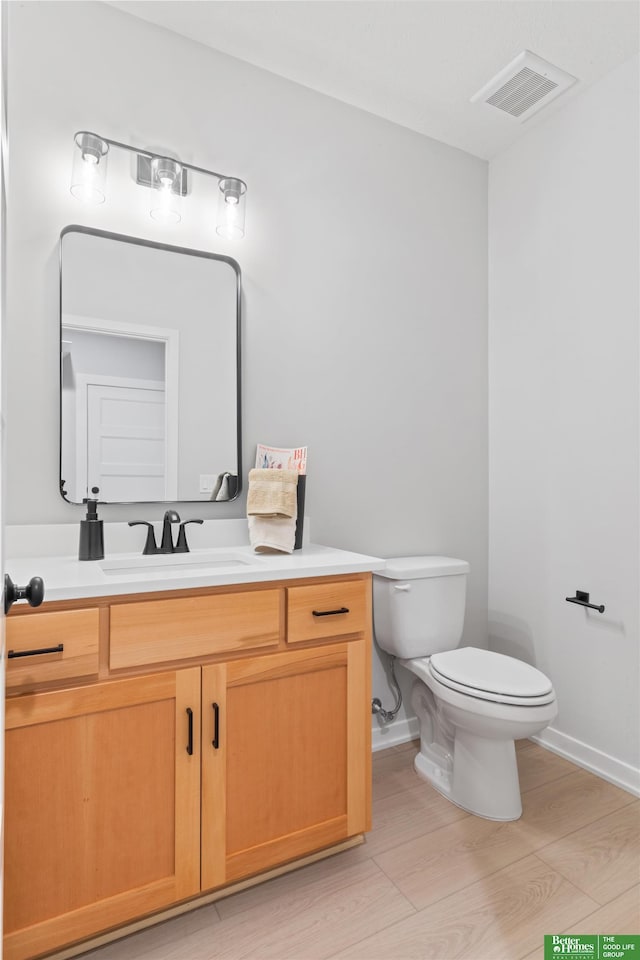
(391, 734)
(615, 771)
(602, 764)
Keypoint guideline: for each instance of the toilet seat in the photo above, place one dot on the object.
(491, 676)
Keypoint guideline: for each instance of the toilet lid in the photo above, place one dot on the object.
(491, 676)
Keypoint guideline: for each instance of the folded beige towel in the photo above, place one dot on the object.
(272, 534)
(272, 493)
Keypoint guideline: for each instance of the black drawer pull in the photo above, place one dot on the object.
(329, 613)
(190, 743)
(14, 654)
(215, 743)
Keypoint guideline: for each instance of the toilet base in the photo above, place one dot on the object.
(434, 772)
(467, 744)
(483, 778)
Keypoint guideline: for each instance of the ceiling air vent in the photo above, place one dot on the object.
(525, 86)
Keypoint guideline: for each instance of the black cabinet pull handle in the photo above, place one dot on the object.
(215, 743)
(329, 613)
(582, 599)
(14, 654)
(190, 742)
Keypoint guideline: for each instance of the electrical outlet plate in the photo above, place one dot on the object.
(208, 482)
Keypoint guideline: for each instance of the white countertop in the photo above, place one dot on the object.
(66, 578)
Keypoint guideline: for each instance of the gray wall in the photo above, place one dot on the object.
(564, 283)
(364, 267)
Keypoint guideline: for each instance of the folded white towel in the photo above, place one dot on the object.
(272, 534)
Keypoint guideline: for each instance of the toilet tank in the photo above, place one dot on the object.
(418, 605)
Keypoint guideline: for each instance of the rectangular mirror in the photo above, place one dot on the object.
(149, 371)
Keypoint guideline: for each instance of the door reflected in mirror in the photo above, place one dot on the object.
(149, 383)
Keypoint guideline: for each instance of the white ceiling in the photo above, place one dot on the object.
(414, 62)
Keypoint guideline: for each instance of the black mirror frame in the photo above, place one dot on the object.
(77, 228)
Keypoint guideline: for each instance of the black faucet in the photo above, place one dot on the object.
(167, 538)
(167, 545)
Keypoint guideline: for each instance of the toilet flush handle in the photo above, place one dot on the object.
(402, 586)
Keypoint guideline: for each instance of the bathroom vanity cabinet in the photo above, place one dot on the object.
(179, 742)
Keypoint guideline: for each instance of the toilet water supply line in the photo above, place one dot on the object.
(376, 704)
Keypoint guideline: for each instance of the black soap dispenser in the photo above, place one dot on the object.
(91, 534)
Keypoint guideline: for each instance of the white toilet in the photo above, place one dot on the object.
(472, 704)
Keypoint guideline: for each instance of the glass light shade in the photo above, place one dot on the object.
(231, 208)
(166, 199)
(89, 174)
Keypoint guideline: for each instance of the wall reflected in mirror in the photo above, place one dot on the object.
(149, 384)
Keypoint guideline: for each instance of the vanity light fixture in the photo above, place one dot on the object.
(166, 177)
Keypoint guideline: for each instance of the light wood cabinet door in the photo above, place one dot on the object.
(286, 757)
(102, 807)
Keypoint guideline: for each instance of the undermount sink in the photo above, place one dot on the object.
(163, 564)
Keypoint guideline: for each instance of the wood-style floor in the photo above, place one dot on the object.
(433, 882)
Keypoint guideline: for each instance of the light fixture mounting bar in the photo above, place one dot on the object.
(167, 178)
(159, 156)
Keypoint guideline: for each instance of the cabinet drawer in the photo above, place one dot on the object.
(155, 631)
(326, 610)
(76, 631)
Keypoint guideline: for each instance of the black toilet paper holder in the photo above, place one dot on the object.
(582, 599)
